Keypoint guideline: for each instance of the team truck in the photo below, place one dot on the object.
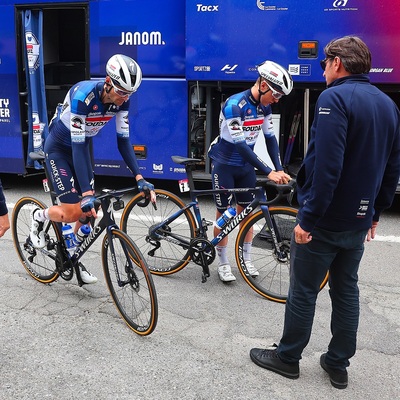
(193, 55)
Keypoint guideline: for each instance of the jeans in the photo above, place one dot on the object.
(340, 253)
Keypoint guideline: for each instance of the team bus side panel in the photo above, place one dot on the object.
(11, 137)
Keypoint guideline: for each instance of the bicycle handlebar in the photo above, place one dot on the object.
(284, 190)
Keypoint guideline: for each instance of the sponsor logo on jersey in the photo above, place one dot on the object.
(77, 122)
(89, 98)
(235, 125)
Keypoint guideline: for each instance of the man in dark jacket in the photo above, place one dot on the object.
(349, 175)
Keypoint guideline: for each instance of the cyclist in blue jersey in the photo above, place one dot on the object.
(243, 117)
(87, 107)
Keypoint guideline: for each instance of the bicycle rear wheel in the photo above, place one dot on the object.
(130, 283)
(163, 254)
(39, 263)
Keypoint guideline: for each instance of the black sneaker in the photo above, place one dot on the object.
(337, 377)
(269, 359)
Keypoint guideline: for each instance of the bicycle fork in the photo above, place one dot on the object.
(281, 255)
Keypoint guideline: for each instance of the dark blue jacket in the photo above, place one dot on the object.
(352, 165)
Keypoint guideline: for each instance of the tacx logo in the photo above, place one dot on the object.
(228, 69)
(203, 8)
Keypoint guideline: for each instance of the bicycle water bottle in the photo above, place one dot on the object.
(225, 217)
(69, 238)
(82, 234)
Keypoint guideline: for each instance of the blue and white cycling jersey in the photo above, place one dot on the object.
(242, 119)
(82, 116)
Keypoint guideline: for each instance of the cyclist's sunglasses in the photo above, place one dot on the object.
(324, 61)
(276, 95)
(120, 92)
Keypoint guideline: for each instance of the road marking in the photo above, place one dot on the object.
(391, 239)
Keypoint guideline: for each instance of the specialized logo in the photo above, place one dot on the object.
(141, 39)
(204, 8)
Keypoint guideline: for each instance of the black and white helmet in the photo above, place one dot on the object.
(124, 72)
(277, 76)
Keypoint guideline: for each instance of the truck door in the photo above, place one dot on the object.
(57, 51)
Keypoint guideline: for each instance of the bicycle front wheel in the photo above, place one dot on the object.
(272, 265)
(165, 252)
(130, 282)
(39, 263)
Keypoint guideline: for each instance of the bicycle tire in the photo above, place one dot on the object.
(130, 283)
(136, 221)
(274, 272)
(39, 263)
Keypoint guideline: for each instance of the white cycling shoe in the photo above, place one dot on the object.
(86, 276)
(251, 269)
(225, 273)
(36, 233)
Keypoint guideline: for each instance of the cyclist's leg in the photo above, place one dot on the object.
(66, 187)
(247, 179)
(130, 282)
(222, 177)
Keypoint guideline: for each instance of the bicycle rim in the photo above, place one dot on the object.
(39, 263)
(130, 283)
(163, 255)
(273, 265)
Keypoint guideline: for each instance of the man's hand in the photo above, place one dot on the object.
(301, 236)
(372, 231)
(279, 177)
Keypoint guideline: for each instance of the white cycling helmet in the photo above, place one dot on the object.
(124, 72)
(277, 76)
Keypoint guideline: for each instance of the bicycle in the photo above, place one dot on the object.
(127, 275)
(172, 235)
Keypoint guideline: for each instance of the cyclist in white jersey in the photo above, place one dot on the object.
(87, 107)
(243, 117)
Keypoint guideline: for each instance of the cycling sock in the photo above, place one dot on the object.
(247, 251)
(222, 252)
(42, 215)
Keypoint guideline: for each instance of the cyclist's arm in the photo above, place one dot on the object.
(81, 153)
(271, 142)
(124, 144)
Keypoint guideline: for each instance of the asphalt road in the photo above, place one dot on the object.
(62, 341)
